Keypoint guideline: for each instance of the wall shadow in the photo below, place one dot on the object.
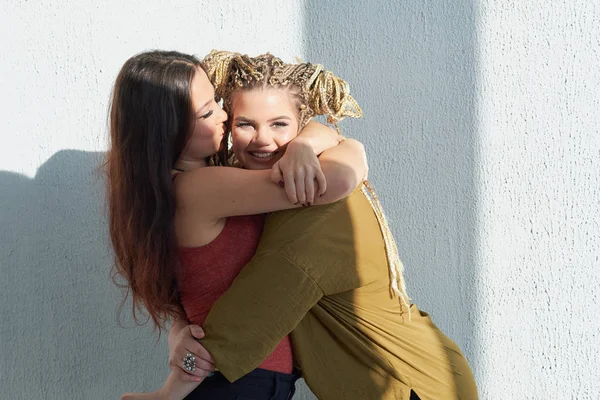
(59, 338)
(412, 67)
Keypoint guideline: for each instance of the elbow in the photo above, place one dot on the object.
(344, 183)
(344, 177)
(357, 171)
(349, 185)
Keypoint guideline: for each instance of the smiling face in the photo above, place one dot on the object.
(263, 121)
(209, 121)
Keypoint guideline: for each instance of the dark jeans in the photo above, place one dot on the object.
(259, 384)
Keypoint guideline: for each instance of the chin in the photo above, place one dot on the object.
(257, 166)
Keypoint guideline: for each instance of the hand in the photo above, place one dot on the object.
(185, 342)
(297, 171)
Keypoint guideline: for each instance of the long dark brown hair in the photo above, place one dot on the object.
(151, 120)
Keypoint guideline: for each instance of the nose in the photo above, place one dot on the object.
(223, 115)
(262, 137)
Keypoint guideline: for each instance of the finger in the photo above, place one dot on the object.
(322, 182)
(290, 187)
(200, 352)
(201, 367)
(276, 175)
(203, 359)
(301, 188)
(197, 331)
(204, 365)
(192, 375)
(309, 187)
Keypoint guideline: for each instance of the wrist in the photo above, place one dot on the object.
(177, 326)
(301, 144)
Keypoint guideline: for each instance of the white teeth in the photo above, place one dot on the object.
(262, 155)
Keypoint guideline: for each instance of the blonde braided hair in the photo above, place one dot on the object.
(396, 267)
(318, 92)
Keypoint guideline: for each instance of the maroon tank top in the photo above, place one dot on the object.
(208, 271)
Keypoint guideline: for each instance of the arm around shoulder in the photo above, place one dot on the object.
(218, 192)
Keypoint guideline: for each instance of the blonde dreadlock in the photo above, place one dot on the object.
(397, 283)
(319, 92)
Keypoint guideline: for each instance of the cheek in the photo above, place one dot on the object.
(205, 130)
(240, 139)
(199, 131)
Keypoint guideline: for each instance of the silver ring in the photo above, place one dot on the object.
(189, 362)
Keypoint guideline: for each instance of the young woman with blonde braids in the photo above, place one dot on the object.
(330, 275)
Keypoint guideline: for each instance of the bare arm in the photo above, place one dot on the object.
(319, 137)
(178, 325)
(218, 192)
(336, 161)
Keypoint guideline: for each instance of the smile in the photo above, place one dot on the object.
(263, 155)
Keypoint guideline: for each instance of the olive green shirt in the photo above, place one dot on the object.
(321, 274)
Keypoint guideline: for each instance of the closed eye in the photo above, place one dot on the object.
(243, 124)
(280, 124)
(208, 114)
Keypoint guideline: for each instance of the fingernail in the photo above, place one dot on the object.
(211, 374)
(198, 379)
(281, 184)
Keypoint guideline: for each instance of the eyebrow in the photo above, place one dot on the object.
(271, 120)
(201, 108)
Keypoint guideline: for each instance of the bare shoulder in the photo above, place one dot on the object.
(195, 225)
(197, 182)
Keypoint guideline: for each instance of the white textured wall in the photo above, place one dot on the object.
(481, 123)
(539, 199)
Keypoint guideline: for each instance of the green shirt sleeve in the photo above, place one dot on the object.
(264, 304)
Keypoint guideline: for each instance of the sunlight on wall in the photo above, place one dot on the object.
(538, 201)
